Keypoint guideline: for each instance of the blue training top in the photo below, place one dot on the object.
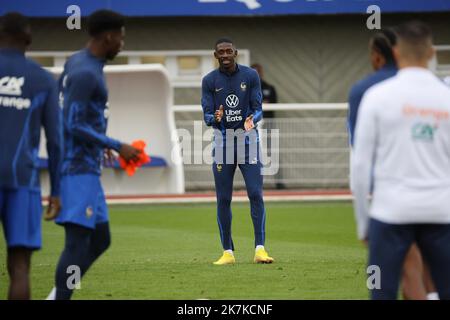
(84, 97)
(239, 93)
(28, 100)
(358, 90)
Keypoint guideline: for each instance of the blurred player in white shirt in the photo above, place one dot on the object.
(403, 131)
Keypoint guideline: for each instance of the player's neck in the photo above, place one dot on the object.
(413, 64)
(96, 50)
(229, 70)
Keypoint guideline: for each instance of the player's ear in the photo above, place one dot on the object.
(235, 52)
(216, 55)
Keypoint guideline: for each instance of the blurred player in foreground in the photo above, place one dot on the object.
(84, 98)
(28, 100)
(403, 131)
(416, 279)
(232, 105)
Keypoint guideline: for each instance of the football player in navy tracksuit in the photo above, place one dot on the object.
(84, 97)
(28, 101)
(232, 105)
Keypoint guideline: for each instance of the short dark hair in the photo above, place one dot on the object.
(416, 35)
(383, 42)
(14, 24)
(105, 20)
(223, 40)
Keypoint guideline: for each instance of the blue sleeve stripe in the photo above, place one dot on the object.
(37, 102)
(257, 116)
(35, 170)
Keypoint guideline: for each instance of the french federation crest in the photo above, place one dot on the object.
(243, 86)
(219, 168)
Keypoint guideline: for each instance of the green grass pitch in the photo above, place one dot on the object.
(166, 252)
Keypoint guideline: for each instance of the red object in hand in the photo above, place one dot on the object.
(131, 166)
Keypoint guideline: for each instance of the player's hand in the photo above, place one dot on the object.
(109, 158)
(248, 125)
(218, 115)
(129, 152)
(54, 206)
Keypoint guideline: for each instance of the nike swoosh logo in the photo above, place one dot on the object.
(220, 89)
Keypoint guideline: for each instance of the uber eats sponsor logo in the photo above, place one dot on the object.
(423, 131)
(12, 86)
(233, 115)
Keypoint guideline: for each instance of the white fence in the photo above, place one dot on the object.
(313, 146)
